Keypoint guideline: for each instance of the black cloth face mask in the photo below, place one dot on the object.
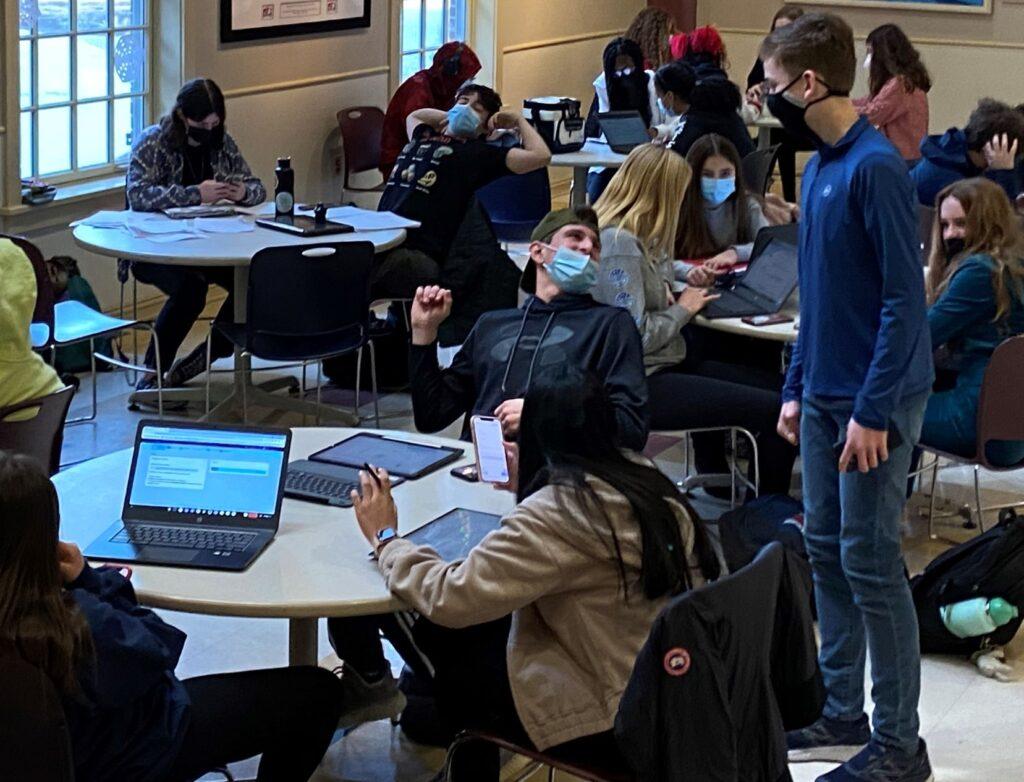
(953, 247)
(793, 116)
(200, 135)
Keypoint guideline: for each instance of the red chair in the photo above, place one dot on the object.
(361, 128)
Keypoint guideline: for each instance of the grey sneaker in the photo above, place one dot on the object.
(364, 701)
(828, 740)
(876, 763)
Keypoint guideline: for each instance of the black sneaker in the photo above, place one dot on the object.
(876, 763)
(828, 740)
(148, 383)
(184, 369)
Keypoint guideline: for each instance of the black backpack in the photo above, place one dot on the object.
(991, 565)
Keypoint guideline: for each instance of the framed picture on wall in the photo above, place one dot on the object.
(248, 20)
(947, 6)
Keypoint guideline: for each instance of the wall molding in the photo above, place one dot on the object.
(918, 40)
(313, 81)
(531, 45)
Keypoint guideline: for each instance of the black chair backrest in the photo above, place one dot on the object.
(34, 739)
(42, 435)
(925, 224)
(44, 287)
(756, 169)
(303, 301)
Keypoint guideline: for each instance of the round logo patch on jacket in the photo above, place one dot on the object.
(677, 661)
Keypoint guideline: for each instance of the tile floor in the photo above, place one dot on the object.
(974, 725)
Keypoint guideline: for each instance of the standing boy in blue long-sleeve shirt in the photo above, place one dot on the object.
(856, 390)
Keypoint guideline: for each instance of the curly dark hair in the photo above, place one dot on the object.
(488, 98)
(992, 118)
(651, 28)
(893, 55)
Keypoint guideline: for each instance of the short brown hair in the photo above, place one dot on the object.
(488, 98)
(817, 42)
(993, 118)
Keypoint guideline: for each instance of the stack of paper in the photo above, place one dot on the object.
(103, 219)
(365, 220)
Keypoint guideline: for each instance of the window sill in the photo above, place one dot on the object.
(68, 194)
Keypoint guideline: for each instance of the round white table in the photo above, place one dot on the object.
(235, 250)
(765, 124)
(594, 153)
(316, 566)
(779, 332)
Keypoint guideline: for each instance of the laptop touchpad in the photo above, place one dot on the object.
(165, 554)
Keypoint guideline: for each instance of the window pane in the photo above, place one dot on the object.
(54, 140)
(411, 11)
(129, 13)
(54, 16)
(434, 34)
(91, 134)
(457, 20)
(25, 68)
(410, 64)
(93, 15)
(26, 144)
(128, 123)
(129, 62)
(54, 70)
(28, 12)
(92, 66)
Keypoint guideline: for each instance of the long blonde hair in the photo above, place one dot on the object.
(644, 197)
(992, 229)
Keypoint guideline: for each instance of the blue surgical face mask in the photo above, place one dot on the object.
(571, 271)
(463, 121)
(716, 191)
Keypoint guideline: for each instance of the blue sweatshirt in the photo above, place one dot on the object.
(863, 326)
(944, 161)
(130, 719)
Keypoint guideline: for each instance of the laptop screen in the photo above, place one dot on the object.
(216, 475)
(773, 274)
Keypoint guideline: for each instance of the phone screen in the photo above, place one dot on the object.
(490, 449)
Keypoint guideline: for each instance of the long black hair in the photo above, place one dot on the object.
(196, 100)
(567, 433)
(627, 93)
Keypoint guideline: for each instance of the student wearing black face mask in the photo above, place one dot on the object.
(188, 159)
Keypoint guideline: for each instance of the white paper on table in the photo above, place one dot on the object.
(223, 225)
(260, 210)
(366, 220)
(155, 223)
(166, 238)
(104, 219)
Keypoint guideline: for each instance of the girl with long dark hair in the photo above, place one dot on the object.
(112, 662)
(598, 543)
(898, 85)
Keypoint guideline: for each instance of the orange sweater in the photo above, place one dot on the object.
(900, 115)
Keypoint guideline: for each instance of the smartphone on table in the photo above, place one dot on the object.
(767, 320)
(491, 462)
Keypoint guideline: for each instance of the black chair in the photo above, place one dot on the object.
(925, 225)
(756, 169)
(34, 739)
(42, 435)
(307, 303)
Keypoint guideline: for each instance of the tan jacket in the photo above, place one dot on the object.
(574, 638)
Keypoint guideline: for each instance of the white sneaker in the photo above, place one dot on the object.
(363, 701)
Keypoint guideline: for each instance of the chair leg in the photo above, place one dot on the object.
(319, 385)
(245, 395)
(92, 371)
(359, 381)
(373, 385)
(931, 500)
(209, 372)
(977, 499)
(732, 469)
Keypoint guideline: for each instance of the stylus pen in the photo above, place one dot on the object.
(369, 469)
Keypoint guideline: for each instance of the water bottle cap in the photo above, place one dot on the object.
(1001, 611)
(284, 162)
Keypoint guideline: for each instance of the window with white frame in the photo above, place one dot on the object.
(84, 82)
(424, 26)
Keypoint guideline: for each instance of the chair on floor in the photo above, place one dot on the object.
(925, 224)
(539, 760)
(756, 169)
(42, 435)
(734, 478)
(306, 304)
(361, 128)
(999, 418)
(516, 203)
(73, 322)
(34, 739)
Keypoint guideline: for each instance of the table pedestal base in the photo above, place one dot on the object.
(302, 641)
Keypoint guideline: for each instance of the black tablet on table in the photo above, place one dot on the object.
(399, 457)
(454, 534)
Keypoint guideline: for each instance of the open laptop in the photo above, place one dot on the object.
(199, 495)
(623, 130)
(769, 280)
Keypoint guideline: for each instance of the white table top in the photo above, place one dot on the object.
(766, 121)
(317, 564)
(594, 153)
(780, 332)
(215, 249)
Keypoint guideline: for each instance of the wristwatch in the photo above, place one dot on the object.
(385, 536)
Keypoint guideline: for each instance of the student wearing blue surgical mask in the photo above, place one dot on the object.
(720, 217)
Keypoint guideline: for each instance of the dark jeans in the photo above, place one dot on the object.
(471, 682)
(597, 181)
(185, 287)
(703, 393)
(287, 714)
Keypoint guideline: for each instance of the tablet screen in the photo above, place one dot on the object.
(398, 457)
(455, 533)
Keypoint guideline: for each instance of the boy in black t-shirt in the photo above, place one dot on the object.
(436, 178)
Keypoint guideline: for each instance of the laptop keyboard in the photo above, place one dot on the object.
(184, 537)
(309, 484)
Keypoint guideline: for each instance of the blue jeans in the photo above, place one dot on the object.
(852, 531)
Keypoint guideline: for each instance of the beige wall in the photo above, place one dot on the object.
(969, 55)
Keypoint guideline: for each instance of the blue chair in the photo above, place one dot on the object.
(516, 203)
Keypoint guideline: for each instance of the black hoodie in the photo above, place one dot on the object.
(714, 108)
(499, 360)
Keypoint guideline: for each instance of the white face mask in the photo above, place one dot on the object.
(867, 62)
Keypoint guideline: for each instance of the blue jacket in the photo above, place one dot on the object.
(944, 161)
(130, 718)
(863, 331)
